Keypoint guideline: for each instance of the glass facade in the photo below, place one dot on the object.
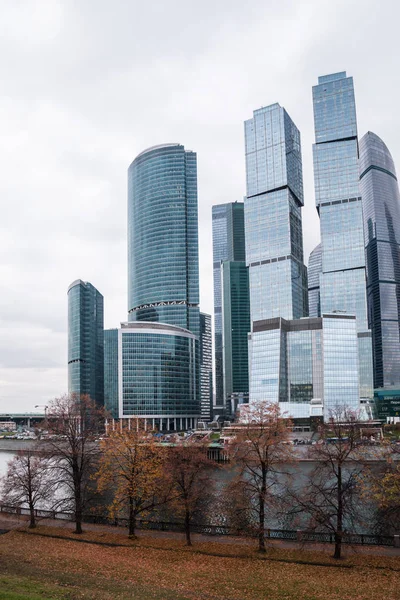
(338, 199)
(274, 240)
(163, 263)
(111, 372)
(314, 272)
(158, 376)
(206, 383)
(228, 245)
(304, 362)
(341, 370)
(236, 326)
(85, 341)
(381, 209)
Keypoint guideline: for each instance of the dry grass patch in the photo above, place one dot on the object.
(165, 569)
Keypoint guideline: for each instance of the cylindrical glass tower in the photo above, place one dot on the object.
(381, 210)
(163, 264)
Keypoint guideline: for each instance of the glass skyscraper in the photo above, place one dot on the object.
(235, 330)
(274, 249)
(381, 209)
(85, 341)
(206, 379)
(309, 366)
(159, 349)
(338, 199)
(274, 238)
(314, 272)
(111, 372)
(158, 375)
(228, 245)
(163, 258)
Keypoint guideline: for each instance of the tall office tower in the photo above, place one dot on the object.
(111, 372)
(274, 238)
(159, 349)
(85, 341)
(314, 271)
(381, 209)
(206, 383)
(274, 250)
(228, 244)
(163, 258)
(235, 330)
(338, 199)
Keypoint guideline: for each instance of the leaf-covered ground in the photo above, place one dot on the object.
(108, 566)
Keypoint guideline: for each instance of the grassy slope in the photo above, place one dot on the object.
(38, 566)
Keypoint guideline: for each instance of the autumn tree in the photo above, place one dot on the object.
(130, 466)
(190, 481)
(29, 480)
(330, 500)
(381, 484)
(261, 455)
(74, 424)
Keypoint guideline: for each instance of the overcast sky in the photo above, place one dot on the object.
(85, 85)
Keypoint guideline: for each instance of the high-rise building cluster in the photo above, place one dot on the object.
(311, 339)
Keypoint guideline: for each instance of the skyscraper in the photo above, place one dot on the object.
(111, 372)
(158, 375)
(274, 237)
(159, 349)
(314, 271)
(228, 245)
(85, 341)
(308, 365)
(381, 210)
(206, 386)
(274, 249)
(338, 199)
(163, 260)
(235, 330)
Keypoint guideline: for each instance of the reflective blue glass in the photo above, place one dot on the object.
(341, 368)
(163, 270)
(236, 326)
(306, 362)
(85, 341)
(338, 199)
(381, 208)
(111, 372)
(314, 272)
(274, 244)
(228, 245)
(206, 383)
(158, 372)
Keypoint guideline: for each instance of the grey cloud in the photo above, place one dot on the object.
(87, 85)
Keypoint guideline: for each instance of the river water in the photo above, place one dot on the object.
(5, 457)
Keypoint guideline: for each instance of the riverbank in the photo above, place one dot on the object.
(107, 565)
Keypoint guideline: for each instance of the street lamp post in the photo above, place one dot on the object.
(45, 406)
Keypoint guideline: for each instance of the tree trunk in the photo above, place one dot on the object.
(78, 500)
(187, 528)
(261, 508)
(339, 525)
(132, 519)
(32, 522)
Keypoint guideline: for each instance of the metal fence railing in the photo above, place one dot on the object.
(277, 534)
